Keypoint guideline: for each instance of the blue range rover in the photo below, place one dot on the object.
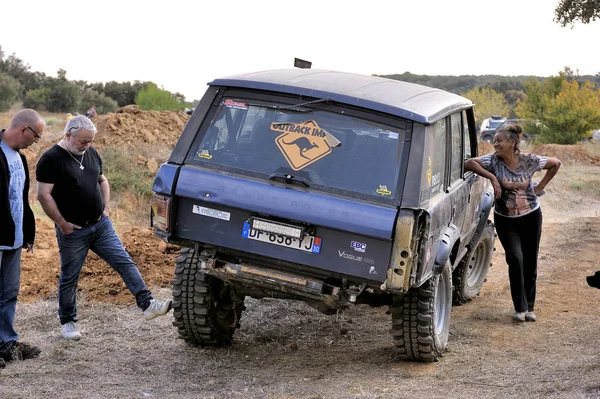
(327, 187)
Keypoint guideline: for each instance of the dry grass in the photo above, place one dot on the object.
(287, 350)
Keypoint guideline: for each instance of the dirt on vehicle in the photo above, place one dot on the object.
(285, 349)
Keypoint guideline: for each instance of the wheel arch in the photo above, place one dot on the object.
(448, 247)
(487, 202)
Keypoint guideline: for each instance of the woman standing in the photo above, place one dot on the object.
(517, 214)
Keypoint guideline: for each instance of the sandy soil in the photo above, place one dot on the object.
(285, 349)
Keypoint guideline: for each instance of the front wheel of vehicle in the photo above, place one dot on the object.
(470, 274)
(207, 311)
(421, 319)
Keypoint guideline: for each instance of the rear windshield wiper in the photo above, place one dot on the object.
(320, 100)
(293, 108)
(289, 179)
(289, 108)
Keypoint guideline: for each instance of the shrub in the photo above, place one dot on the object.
(151, 98)
(37, 98)
(10, 89)
(102, 103)
(124, 175)
(64, 97)
(123, 93)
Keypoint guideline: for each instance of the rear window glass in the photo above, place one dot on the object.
(327, 150)
(494, 124)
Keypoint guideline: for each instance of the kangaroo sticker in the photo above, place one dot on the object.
(302, 143)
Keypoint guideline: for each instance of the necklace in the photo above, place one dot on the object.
(80, 163)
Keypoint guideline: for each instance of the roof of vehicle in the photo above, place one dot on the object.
(408, 100)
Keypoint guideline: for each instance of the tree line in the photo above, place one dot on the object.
(562, 109)
(18, 83)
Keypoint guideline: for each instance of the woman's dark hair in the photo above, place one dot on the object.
(514, 132)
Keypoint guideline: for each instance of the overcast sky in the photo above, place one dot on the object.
(182, 45)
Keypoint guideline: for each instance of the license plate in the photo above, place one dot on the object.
(308, 244)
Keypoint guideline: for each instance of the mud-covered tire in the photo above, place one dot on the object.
(421, 319)
(207, 311)
(470, 274)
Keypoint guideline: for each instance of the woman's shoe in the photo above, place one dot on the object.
(519, 316)
(530, 316)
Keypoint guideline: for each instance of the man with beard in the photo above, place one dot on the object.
(75, 194)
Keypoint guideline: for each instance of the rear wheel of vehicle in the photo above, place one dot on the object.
(421, 319)
(470, 274)
(207, 311)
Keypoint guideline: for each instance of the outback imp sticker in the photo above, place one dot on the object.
(358, 246)
(211, 213)
(303, 143)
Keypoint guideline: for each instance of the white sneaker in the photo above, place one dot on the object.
(530, 316)
(157, 308)
(70, 331)
(519, 316)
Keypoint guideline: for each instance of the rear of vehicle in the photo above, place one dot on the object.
(293, 184)
(489, 127)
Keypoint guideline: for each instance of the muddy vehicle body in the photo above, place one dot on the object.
(331, 188)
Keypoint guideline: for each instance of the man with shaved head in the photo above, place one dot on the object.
(17, 223)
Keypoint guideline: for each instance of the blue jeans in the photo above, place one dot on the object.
(10, 275)
(102, 239)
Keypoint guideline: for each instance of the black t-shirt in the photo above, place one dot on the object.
(76, 191)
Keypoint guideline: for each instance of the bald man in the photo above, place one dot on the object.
(18, 226)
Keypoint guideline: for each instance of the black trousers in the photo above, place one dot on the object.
(520, 238)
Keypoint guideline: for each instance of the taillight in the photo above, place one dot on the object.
(161, 208)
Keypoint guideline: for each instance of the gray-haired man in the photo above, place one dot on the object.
(75, 195)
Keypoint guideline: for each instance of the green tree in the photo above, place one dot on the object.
(151, 97)
(488, 102)
(564, 109)
(123, 93)
(102, 103)
(64, 97)
(10, 90)
(18, 69)
(569, 11)
(514, 97)
(37, 98)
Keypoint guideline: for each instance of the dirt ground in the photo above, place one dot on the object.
(285, 349)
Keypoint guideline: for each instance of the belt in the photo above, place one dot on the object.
(92, 222)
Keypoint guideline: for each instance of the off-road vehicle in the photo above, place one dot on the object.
(489, 127)
(327, 187)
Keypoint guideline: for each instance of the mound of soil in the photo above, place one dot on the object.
(569, 154)
(130, 126)
(40, 271)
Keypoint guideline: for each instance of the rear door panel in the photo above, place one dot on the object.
(356, 236)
